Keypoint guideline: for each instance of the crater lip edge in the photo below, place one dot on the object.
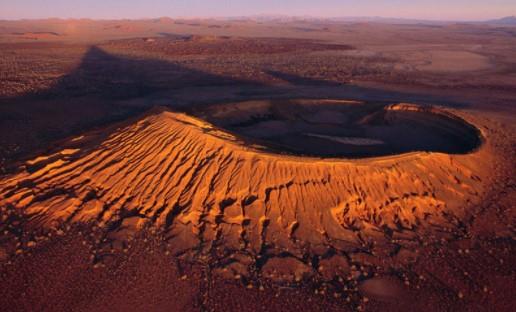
(343, 128)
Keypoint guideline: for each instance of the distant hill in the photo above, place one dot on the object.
(509, 20)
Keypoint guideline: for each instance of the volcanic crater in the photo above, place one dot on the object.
(215, 186)
(342, 128)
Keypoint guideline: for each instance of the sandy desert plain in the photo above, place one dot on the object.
(250, 165)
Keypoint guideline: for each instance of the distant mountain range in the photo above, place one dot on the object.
(350, 19)
(506, 21)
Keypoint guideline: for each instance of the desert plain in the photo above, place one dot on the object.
(256, 165)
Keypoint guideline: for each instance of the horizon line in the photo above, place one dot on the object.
(222, 17)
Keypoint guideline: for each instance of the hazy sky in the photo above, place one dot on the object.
(106, 9)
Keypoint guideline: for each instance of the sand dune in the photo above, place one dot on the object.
(208, 191)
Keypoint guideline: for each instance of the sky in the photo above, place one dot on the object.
(116, 9)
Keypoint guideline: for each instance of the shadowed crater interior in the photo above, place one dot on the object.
(340, 128)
